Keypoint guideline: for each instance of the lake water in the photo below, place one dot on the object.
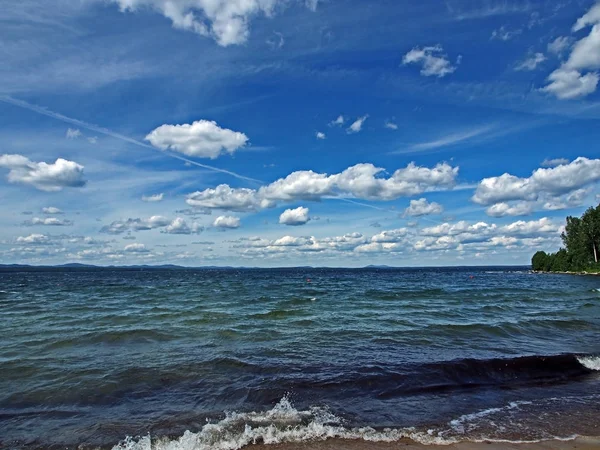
(209, 359)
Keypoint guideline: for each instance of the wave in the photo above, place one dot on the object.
(456, 375)
(590, 362)
(285, 424)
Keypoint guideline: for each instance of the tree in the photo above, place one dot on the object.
(581, 240)
(539, 261)
(590, 226)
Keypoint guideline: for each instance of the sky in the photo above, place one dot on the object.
(295, 132)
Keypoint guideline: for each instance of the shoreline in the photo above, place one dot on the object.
(583, 273)
(580, 443)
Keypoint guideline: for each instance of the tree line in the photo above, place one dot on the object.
(581, 245)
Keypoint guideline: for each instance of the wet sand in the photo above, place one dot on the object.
(583, 443)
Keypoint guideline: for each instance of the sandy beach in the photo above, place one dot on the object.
(582, 443)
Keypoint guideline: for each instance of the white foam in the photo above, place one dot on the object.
(590, 362)
(281, 424)
(284, 424)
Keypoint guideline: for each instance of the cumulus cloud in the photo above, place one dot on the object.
(357, 125)
(363, 181)
(320, 135)
(570, 80)
(225, 21)
(555, 162)
(119, 227)
(73, 133)
(459, 237)
(294, 217)
(227, 198)
(226, 222)
(422, 207)
(152, 198)
(136, 248)
(554, 181)
(560, 45)
(43, 176)
(51, 210)
(202, 139)
(51, 221)
(531, 62)
(504, 209)
(180, 226)
(390, 125)
(433, 61)
(568, 84)
(34, 238)
(337, 122)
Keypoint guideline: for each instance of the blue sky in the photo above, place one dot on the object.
(292, 132)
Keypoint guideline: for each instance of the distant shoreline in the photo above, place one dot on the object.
(543, 272)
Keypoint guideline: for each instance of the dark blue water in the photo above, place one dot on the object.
(234, 356)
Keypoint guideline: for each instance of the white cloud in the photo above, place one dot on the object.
(52, 221)
(390, 125)
(226, 21)
(433, 61)
(554, 162)
(357, 124)
(73, 133)
(320, 135)
(298, 216)
(93, 139)
(180, 226)
(34, 239)
(554, 181)
(136, 248)
(338, 122)
(227, 198)
(531, 62)
(152, 198)
(450, 139)
(202, 138)
(118, 227)
(226, 222)
(567, 84)
(503, 34)
(43, 176)
(504, 209)
(361, 181)
(531, 228)
(51, 210)
(570, 81)
(422, 207)
(592, 17)
(560, 45)
(390, 236)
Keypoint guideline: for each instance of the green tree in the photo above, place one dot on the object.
(590, 226)
(581, 240)
(574, 241)
(539, 261)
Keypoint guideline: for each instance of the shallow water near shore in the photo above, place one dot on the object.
(215, 359)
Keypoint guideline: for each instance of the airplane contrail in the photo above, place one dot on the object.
(49, 113)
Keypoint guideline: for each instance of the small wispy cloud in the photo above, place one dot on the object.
(390, 125)
(73, 133)
(448, 140)
(320, 135)
(531, 62)
(357, 125)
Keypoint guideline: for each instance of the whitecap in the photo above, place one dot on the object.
(590, 362)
